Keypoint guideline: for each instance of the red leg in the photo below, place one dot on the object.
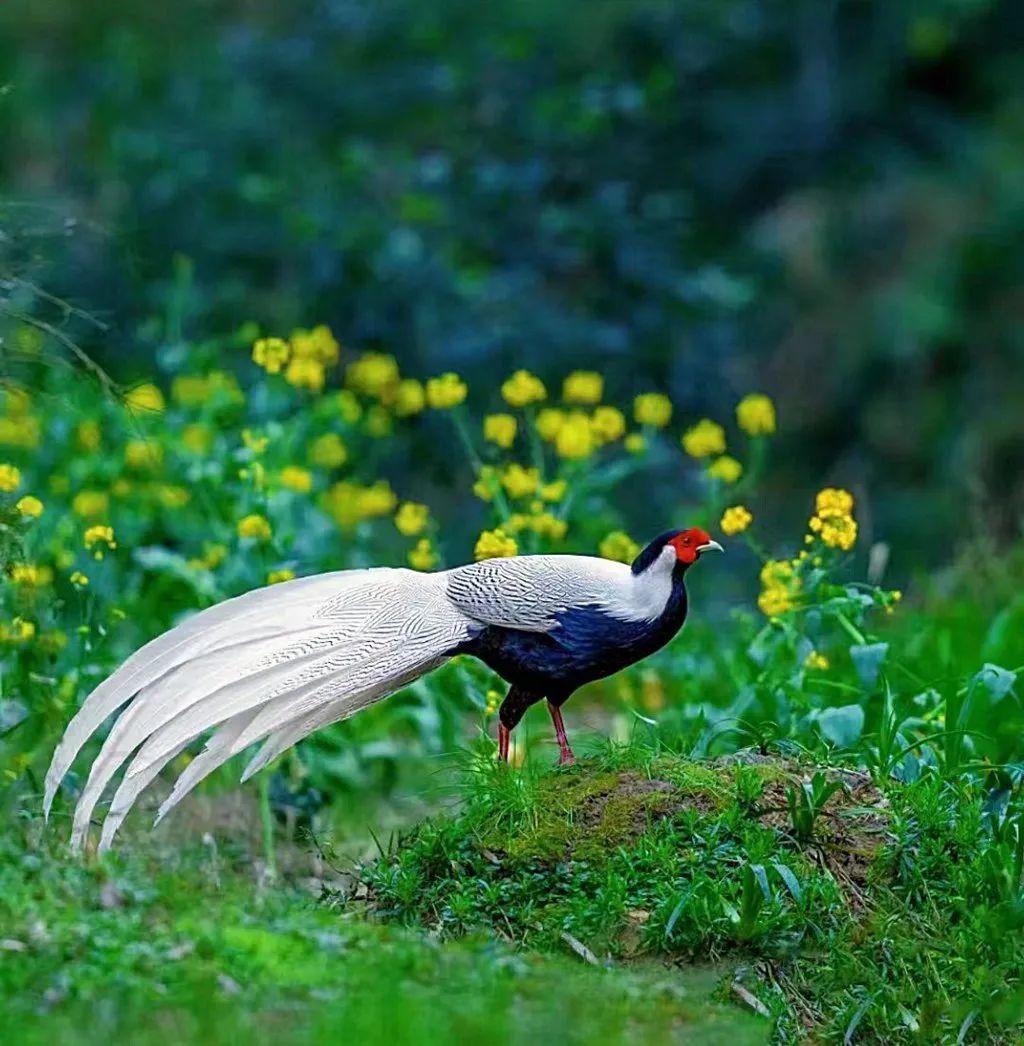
(566, 758)
(503, 738)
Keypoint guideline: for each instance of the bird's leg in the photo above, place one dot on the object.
(516, 702)
(566, 758)
(504, 735)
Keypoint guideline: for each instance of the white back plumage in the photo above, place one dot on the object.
(278, 663)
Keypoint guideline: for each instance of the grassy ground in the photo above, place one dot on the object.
(635, 897)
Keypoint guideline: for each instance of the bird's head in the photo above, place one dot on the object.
(679, 547)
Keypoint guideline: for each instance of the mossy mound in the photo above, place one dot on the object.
(640, 856)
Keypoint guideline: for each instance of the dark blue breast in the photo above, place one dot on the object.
(588, 644)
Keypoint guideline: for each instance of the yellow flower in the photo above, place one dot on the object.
(10, 478)
(500, 429)
(350, 503)
(816, 662)
(839, 531)
(652, 408)
(833, 501)
(553, 491)
(275, 577)
(543, 524)
(725, 468)
(411, 518)
(493, 544)
(29, 575)
(446, 391)
(487, 483)
(172, 496)
(777, 572)
(97, 537)
(90, 503)
(372, 373)
(271, 354)
(296, 478)
(494, 700)
(197, 438)
(254, 441)
(607, 424)
(520, 482)
(145, 399)
(30, 506)
(635, 443)
(143, 455)
(522, 389)
(212, 557)
(575, 438)
(409, 398)
(193, 390)
(705, 438)
(549, 423)
(88, 434)
(619, 546)
(20, 631)
(318, 344)
(583, 386)
(254, 526)
(774, 601)
(78, 579)
(755, 414)
(423, 556)
(328, 451)
(347, 406)
(305, 372)
(735, 520)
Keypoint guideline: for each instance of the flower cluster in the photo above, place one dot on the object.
(493, 544)
(619, 546)
(780, 587)
(735, 520)
(833, 520)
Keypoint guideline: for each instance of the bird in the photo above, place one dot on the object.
(280, 662)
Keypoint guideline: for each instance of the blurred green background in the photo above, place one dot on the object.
(821, 200)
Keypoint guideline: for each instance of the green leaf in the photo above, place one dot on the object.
(867, 660)
(842, 726)
(996, 680)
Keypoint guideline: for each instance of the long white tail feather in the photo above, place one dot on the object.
(277, 663)
(223, 624)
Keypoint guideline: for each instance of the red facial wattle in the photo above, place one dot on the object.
(690, 543)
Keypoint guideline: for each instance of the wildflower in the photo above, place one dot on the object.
(372, 373)
(294, 477)
(487, 483)
(350, 503)
(328, 451)
(412, 518)
(520, 482)
(500, 429)
(271, 354)
(318, 345)
(774, 601)
(10, 478)
(143, 455)
(755, 414)
(781, 585)
(29, 575)
(409, 398)
(197, 438)
(19, 631)
(735, 520)
(493, 702)
(30, 506)
(255, 442)
(544, 524)
(305, 372)
(78, 579)
(705, 438)
(583, 386)
(522, 389)
(837, 531)
(422, 556)
(89, 435)
(607, 424)
(90, 503)
(553, 491)
(653, 409)
(635, 443)
(575, 439)
(833, 501)
(777, 572)
(619, 546)
(145, 399)
(816, 662)
(254, 526)
(96, 537)
(446, 391)
(549, 423)
(493, 544)
(725, 468)
(275, 577)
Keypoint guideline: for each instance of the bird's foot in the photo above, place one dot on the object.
(566, 758)
(504, 735)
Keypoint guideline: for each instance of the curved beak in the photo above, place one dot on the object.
(710, 545)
